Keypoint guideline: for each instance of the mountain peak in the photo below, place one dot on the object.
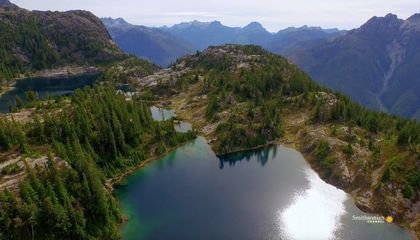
(216, 23)
(389, 21)
(391, 16)
(117, 22)
(254, 26)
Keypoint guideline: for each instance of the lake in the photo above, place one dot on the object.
(268, 194)
(45, 87)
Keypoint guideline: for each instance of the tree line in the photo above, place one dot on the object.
(98, 136)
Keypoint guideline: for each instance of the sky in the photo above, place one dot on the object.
(273, 14)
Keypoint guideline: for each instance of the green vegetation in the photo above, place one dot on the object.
(322, 154)
(130, 67)
(412, 185)
(11, 134)
(348, 149)
(98, 136)
(250, 94)
(258, 92)
(31, 41)
(28, 37)
(11, 169)
(391, 167)
(251, 98)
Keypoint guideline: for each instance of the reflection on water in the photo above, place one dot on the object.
(268, 194)
(314, 213)
(262, 156)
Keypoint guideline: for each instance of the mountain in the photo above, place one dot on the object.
(35, 40)
(291, 40)
(253, 33)
(153, 44)
(283, 42)
(164, 45)
(244, 97)
(6, 3)
(203, 34)
(376, 64)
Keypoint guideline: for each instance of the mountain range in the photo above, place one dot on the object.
(153, 44)
(165, 44)
(374, 64)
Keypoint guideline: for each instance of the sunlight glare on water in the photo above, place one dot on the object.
(315, 212)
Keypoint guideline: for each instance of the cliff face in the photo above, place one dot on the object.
(35, 40)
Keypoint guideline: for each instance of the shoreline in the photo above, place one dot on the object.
(296, 137)
(112, 182)
(8, 88)
(117, 180)
(296, 144)
(292, 145)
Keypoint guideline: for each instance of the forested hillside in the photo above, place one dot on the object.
(95, 136)
(241, 97)
(35, 40)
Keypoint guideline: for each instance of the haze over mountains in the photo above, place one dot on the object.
(164, 45)
(153, 44)
(374, 64)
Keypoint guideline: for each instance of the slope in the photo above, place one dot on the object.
(35, 40)
(153, 44)
(374, 64)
